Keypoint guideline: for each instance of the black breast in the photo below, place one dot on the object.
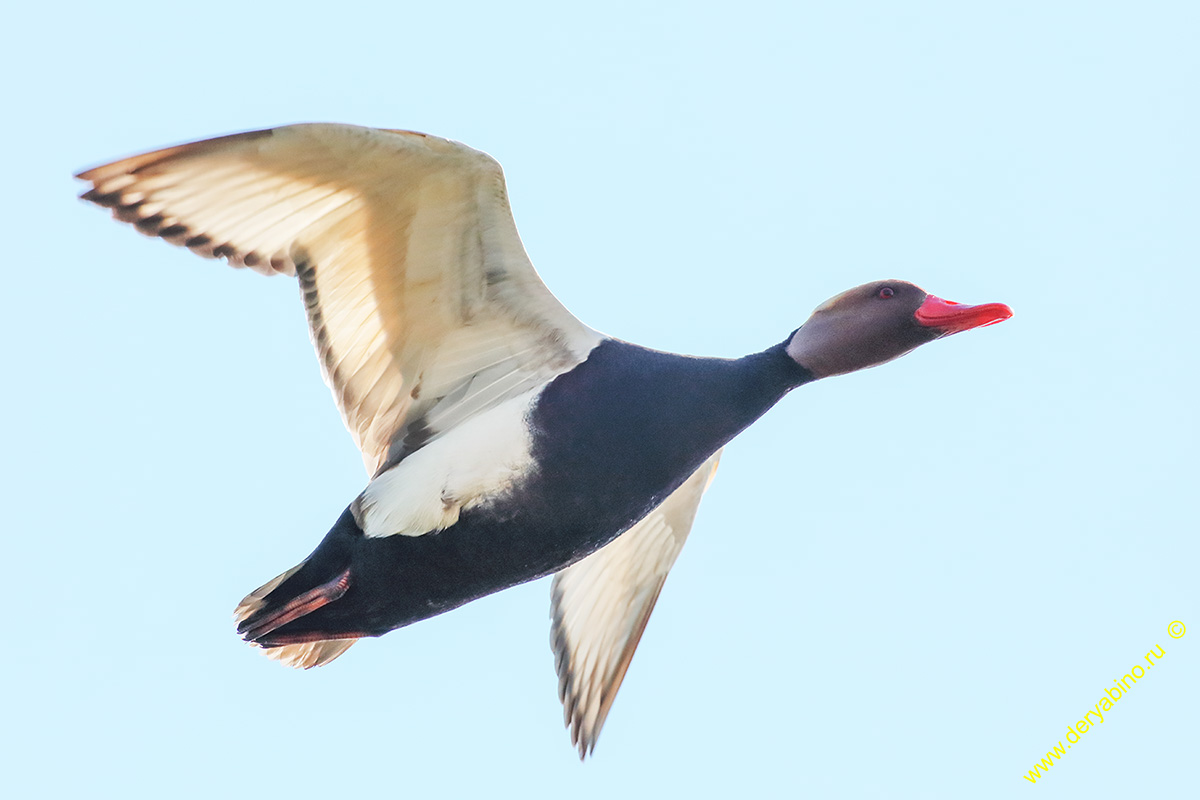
(614, 436)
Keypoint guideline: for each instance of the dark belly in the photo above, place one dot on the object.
(402, 579)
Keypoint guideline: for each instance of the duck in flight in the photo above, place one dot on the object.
(504, 439)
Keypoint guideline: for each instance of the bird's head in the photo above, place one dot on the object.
(876, 322)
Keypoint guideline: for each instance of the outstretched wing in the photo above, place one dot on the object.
(600, 606)
(422, 304)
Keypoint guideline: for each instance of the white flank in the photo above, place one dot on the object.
(475, 462)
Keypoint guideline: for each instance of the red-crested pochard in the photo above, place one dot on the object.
(504, 439)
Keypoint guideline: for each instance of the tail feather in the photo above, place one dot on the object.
(307, 655)
(252, 603)
(257, 615)
(288, 607)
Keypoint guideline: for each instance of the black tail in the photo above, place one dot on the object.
(302, 605)
(259, 626)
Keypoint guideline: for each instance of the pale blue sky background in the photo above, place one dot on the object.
(904, 583)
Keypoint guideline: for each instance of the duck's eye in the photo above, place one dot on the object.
(885, 293)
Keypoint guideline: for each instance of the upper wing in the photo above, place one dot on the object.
(422, 304)
(601, 604)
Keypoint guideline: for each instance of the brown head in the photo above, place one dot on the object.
(876, 322)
